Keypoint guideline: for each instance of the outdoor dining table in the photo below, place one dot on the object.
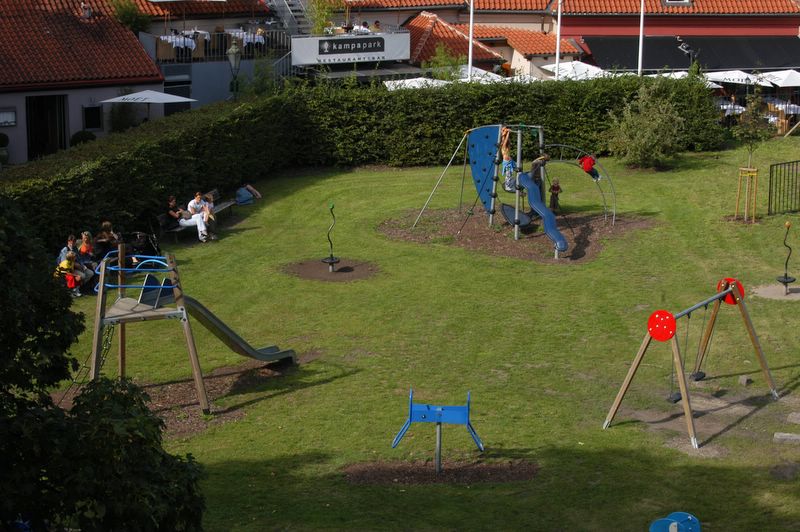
(246, 37)
(190, 33)
(179, 41)
(782, 105)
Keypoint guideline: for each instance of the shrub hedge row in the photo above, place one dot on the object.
(126, 177)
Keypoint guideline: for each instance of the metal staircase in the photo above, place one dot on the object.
(293, 15)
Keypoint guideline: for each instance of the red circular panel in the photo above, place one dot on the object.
(661, 325)
(730, 299)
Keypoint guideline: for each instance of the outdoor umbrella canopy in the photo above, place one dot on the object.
(576, 70)
(682, 74)
(414, 83)
(149, 97)
(737, 77)
(784, 78)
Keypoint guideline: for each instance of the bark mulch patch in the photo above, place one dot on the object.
(177, 405)
(455, 472)
(584, 233)
(346, 270)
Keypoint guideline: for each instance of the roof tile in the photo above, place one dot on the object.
(46, 42)
(602, 7)
(526, 42)
(428, 30)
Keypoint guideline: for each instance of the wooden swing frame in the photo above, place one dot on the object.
(728, 287)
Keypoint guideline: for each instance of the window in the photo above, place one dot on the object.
(8, 116)
(93, 117)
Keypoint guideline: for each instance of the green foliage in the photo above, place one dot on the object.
(443, 64)
(128, 14)
(752, 127)
(647, 132)
(81, 136)
(320, 13)
(100, 466)
(263, 81)
(36, 325)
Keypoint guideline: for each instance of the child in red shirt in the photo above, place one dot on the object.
(587, 163)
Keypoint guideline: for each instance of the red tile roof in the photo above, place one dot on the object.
(428, 30)
(600, 7)
(526, 42)
(697, 7)
(189, 7)
(47, 44)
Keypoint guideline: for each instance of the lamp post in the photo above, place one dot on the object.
(234, 54)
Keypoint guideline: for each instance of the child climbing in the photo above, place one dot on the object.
(587, 162)
(555, 190)
(508, 167)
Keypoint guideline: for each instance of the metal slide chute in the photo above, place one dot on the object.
(234, 342)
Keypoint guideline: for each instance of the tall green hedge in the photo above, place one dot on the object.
(126, 177)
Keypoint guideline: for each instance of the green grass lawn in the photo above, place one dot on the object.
(543, 348)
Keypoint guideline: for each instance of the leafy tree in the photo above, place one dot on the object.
(320, 12)
(443, 64)
(753, 127)
(127, 13)
(648, 130)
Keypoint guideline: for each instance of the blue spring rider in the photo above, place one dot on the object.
(676, 522)
(421, 413)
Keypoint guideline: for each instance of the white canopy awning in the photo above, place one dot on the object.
(148, 97)
(576, 70)
(783, 78)
(737, 77)
(414, 83)
(683, 74)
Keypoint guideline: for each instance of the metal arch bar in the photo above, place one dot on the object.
(562, 148)
(711, 299)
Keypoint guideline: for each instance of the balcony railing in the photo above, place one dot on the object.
(192, 46)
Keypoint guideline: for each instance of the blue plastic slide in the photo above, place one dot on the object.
(548, 218)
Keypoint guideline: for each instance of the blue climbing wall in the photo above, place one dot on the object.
(482, 151)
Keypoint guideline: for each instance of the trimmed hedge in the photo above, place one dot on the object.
(126, 177)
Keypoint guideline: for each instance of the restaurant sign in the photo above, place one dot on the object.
(350, 49)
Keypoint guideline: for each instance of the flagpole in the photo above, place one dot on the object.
(471, 31)
(558, 40)
(641, 37)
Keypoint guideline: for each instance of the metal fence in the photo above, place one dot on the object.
(201, 46)
(784, 187)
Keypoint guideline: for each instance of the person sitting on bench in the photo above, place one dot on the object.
(185, 219)
(199, 205)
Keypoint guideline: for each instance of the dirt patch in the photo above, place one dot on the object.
(345, 270)
(177, 405)
(423, 472)
(584, 233)
(778, 292)
(785, 471)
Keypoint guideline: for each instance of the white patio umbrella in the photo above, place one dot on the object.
(682, 74)
(784, 78)
(149, 97)
(478, 74)
(576, 70)
(737, 77)
(414, 83)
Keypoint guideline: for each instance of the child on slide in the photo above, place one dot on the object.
(587, 162)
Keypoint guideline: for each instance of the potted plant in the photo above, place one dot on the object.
(3, 148)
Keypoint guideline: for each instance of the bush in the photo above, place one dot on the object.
(81, 136)
(647, 132)
(127, 13)
(753, 127)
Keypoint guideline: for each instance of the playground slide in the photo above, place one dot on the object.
(548, 218)
(235, 342)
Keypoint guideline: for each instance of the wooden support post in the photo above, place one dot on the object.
(197, 373)
(121, 294)
(702, 350)
(750, 178)
(738, 195)
(628, 378)
(99, 314)
(751, 331)
(687, 405)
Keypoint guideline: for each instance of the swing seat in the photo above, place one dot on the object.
(525, 218)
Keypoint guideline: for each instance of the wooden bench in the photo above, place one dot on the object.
(167, 226)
